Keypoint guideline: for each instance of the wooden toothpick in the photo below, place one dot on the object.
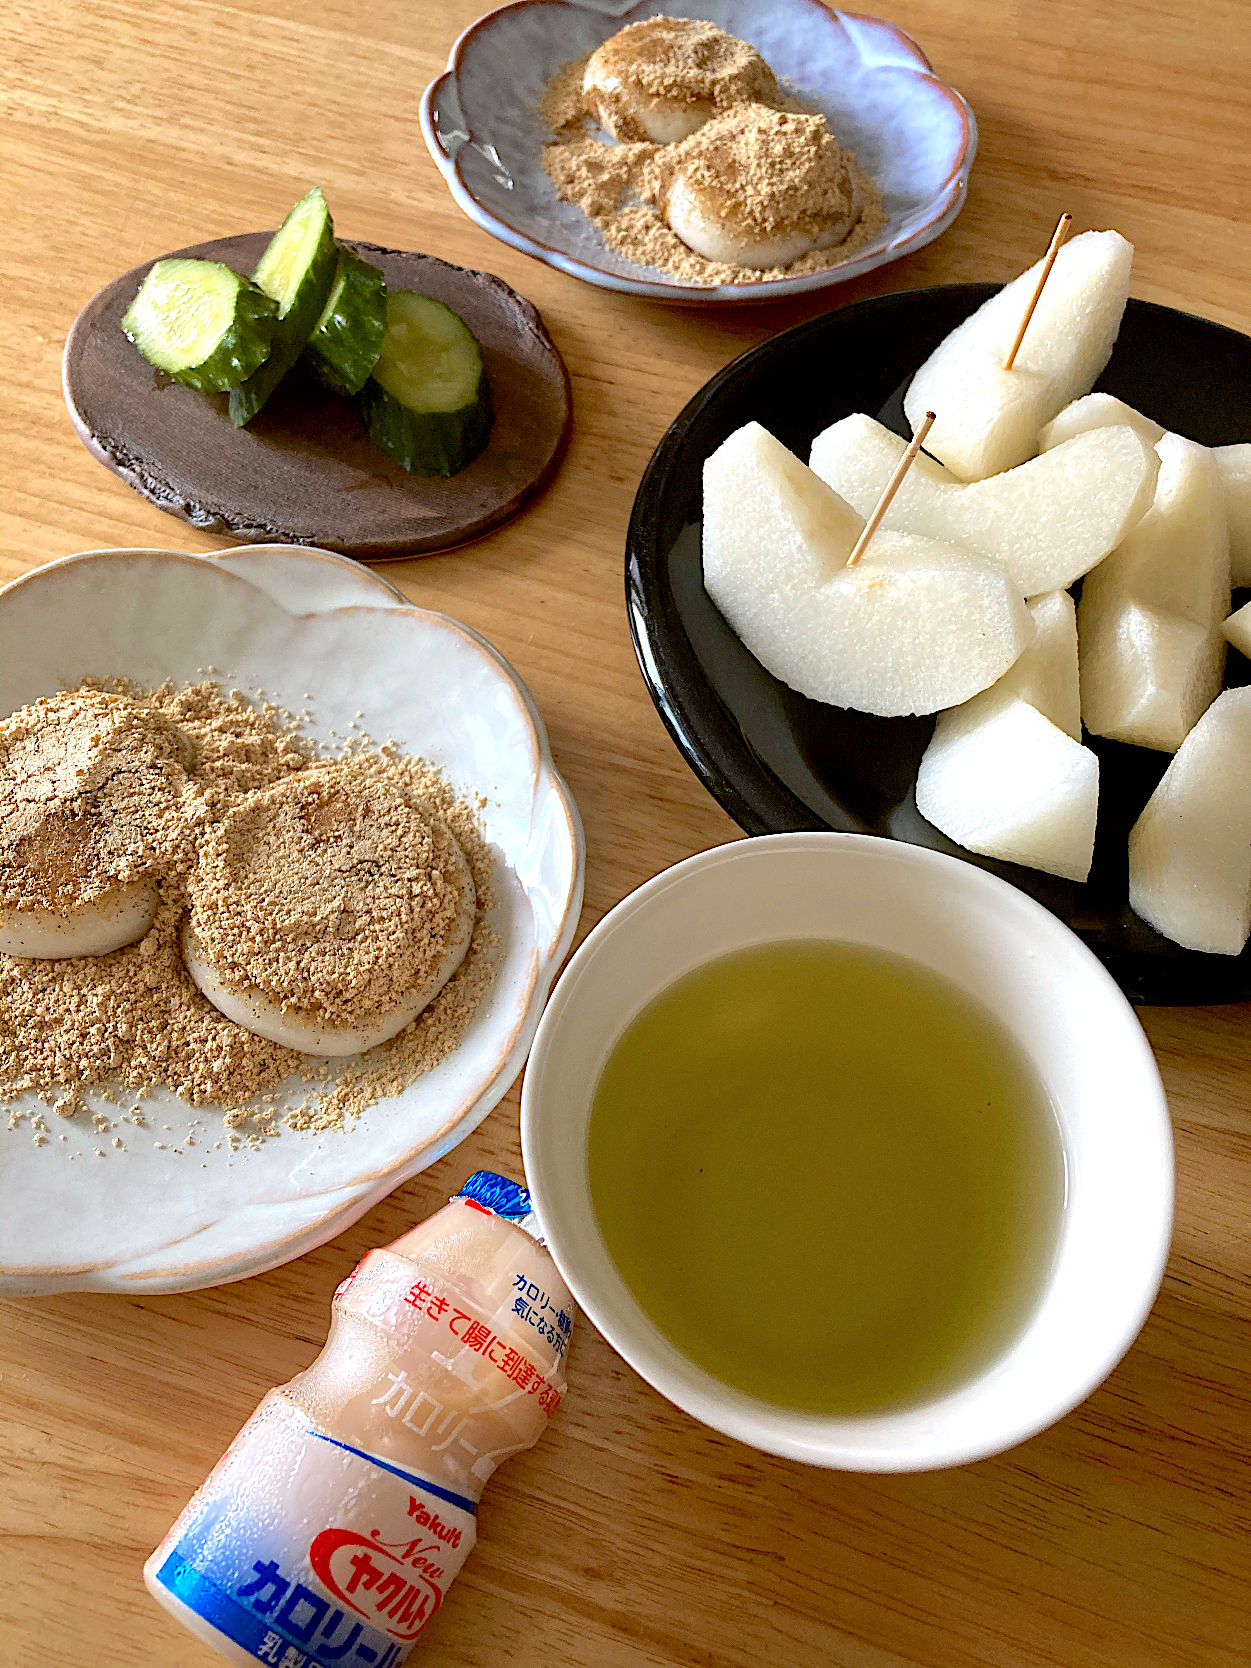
(892, 487)
(1049, 260)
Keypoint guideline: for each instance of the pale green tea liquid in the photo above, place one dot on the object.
(830, 1177)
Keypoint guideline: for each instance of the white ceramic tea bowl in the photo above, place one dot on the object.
(1029, 970)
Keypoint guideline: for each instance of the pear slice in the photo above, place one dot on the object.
(1046, 674)
(999, 782)
(916, 626)
(989, 418)
(1190, 850)
(1233, 463)
(1001, 779)
(1237, 628)
(1147, 678)
(1047, 522)
(1150, 645)
(1097, 411)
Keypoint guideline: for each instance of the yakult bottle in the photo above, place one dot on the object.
(332, 1527)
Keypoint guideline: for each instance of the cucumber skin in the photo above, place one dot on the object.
(245, 346)
(427, 442)
(292, 331)
(248, 398)
(344, 347)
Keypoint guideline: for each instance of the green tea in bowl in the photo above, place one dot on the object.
(851, 1149)
(831, 1178)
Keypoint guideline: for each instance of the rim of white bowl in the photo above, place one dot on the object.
(816, 1439)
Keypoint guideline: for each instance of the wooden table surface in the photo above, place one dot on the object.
(630, 1535)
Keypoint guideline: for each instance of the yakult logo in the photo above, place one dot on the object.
(446, 1532)
(396, 1586)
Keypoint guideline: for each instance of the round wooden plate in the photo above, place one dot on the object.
(304, 471)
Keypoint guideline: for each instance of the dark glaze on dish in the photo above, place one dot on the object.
(777, 761)
(304, 471)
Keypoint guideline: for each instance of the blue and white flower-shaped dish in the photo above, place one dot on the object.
(913, 134)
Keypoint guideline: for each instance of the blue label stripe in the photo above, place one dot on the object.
(225, 1614)
(242, 1625)
(410, 1477)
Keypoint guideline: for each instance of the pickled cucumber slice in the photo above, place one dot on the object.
(428, 403)
(344, 347)
(297, 270)
(201, 323)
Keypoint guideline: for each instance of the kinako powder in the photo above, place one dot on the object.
(621, 187)
(679, 61)
(335, 893)
(162, 772)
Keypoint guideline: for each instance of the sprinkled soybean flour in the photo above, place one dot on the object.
(143, 783)
(621, 188)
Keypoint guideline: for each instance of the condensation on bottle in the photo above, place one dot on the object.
(329, 1532)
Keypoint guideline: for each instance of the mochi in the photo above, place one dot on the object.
(1150, 646)
(915, 626)
(1233, 463)
(1047, 522)
(1190, 850)
(1237, 628)
(1001, 779)
(989, 418)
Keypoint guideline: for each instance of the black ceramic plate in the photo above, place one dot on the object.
(776, 760)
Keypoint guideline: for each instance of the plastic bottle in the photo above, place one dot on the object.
(330, 1530)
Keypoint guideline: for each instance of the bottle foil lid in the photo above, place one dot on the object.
(501, 1196)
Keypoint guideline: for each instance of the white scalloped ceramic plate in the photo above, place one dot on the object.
(290, 620)
(915, 135)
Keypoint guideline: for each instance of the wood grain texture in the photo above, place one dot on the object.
(631, 1537)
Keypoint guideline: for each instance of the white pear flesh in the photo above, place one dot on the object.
(1147, 678)
(1047, 522)
(1046, 674)
(1237, 629)
(1002, 780)
(1150, 645)
(989, 418)
(1234, 464)
(1190, 850)
(119, 917)
(306, 1032)
(915, 626)
(1097, 411)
